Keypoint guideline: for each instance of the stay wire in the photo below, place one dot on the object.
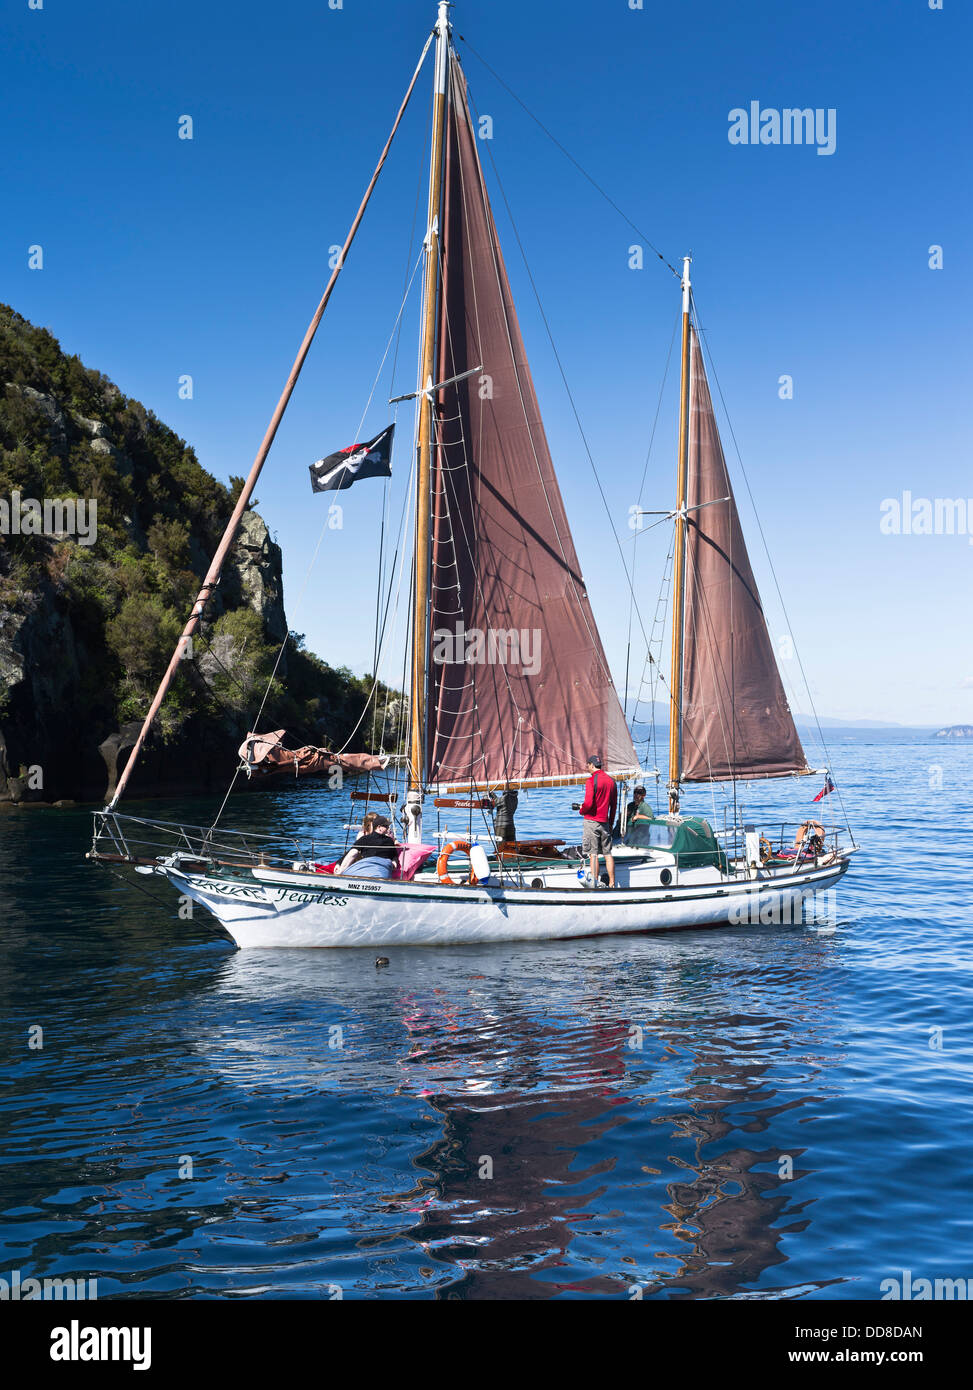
(645, 470)
(569, 156)
(709, 356)
(307, 576)
(567, 388)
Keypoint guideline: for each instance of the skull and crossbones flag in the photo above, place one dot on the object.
(340, 470)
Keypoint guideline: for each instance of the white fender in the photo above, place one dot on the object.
(479, 862)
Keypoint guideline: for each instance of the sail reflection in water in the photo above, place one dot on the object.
(596, 1122)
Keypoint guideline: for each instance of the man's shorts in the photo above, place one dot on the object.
(596, 837)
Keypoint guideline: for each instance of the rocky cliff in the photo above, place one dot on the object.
(107, 523)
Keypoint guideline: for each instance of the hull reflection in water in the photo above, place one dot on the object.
(596, 1113)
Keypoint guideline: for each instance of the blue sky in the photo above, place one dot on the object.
(164, 257)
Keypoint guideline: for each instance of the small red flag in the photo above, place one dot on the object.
(826, 789)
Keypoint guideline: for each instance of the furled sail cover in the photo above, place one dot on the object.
(736, 719)
(519, 687)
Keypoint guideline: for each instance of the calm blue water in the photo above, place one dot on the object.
(784, 1129)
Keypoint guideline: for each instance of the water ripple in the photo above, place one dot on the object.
(763, 1113)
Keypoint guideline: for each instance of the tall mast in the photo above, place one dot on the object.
(679, 585)
(427, 357)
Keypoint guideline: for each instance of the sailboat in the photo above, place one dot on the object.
(495, 568)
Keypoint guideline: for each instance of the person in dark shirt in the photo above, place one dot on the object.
(598, 809)
(374, 854)
(636, 805)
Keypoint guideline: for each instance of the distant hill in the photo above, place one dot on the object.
(88, 621)
(804, 722)
(956, 731)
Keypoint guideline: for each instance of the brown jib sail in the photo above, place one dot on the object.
(519, 687)
(736, 722)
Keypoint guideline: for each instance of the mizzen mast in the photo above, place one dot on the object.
(679, 571)
(426, 443)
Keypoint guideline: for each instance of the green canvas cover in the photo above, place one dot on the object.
(691, 839)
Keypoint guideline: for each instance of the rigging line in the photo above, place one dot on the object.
(209, 650)
(378, 603)
(568, 155)
(477, 728)
(396, 327)
(446, 514)
(412, 238)
(645, 470)
(651, 662)
(700, 614)
(702, 336)
(214, 693)
(663, 603)
(400, 549)
(495, 257)
(386, 498)
(216, 564)
(395, 335)
(507, 680)
(658, 405)
(574, 408)
(449, 347)
(582, 601)
(665, 685)
(280, 653)
(396, 330)
(324, 527)
(164, 903)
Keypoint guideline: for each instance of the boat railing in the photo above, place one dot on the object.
(785, 841)
(134, 840)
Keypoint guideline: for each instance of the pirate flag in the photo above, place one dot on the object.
(340, 470)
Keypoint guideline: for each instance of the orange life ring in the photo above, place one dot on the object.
(810, 828)
(454, 846)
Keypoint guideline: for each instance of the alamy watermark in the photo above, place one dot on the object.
(77, 1343)
(913, 1290)
(497, 646)
(788, 125)
(56, 517)
(15, 1288)
(805, 907)
(926, 516)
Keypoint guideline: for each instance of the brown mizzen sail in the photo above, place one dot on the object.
(736, 722)
(519, 688)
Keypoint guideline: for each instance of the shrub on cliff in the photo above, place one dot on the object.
(121, 602)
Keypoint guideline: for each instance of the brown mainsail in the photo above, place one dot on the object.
(736, 722)
(519, 687)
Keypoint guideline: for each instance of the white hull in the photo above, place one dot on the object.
(297, 910)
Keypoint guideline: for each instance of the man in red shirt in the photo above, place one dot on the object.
(598, 809)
